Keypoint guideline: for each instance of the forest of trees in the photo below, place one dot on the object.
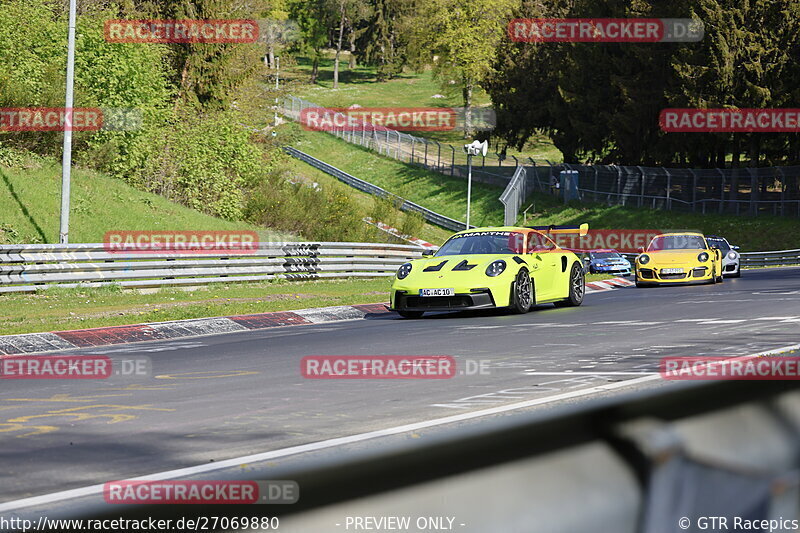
(599, 102)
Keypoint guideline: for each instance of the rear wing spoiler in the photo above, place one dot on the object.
(582, 230)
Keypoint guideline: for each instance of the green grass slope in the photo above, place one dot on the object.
(30, 200)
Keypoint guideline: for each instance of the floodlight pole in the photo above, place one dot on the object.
(469, 184)
(66, 161)
(277, 76)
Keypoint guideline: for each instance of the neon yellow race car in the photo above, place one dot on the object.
(678, 258)
(491, 267)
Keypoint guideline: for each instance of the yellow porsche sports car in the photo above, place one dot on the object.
(491, 267)
(673, 258)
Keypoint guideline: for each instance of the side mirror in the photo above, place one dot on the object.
(428, 252)
(734, 247)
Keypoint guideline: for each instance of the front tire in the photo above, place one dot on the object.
(738, 273)
(577, 288)
(410, 314)
(522, 293)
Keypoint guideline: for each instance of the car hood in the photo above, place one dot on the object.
(446, 263)
(669, 257)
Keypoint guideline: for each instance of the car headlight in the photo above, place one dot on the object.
(644, 259)
(404, 271)
(732, 255)
(496, 268)
(702, 257)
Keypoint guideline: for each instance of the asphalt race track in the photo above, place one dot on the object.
(225, 396)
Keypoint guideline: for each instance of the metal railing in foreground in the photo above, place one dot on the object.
(641, 462)
(31, 267)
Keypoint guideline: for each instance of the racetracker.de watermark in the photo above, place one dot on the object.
(69, 119)
(378, 367)
(622, 240)
(202, 492)
(187, 242)
(395, 118)
(730, 368)
(51, 119)
(605, 30)
(181, 31)
(73, 367)
(687, 120)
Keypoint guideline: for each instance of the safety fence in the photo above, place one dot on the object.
(654, 461)
(738, 191)
(367, 187)
(494, 168)
(31, 267)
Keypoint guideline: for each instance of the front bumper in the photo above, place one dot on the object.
(408, 301)
(613, 269)
(731, 268)
(694, 275)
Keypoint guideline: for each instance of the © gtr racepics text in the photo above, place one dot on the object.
(492, 267)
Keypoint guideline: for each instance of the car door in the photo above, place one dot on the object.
(545, 265)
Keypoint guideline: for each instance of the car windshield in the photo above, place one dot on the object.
(483, 242)
(677, 242)
(722, 244)
(605, 255)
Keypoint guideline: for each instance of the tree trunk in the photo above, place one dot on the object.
(467, 92)
(352, 64)
(315, 67)
(338, 47)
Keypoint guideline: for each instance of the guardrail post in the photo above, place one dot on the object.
(641, 192)
(722, 192)
(399, 146)
(669, 189)
(438, 156)
(753, 192)
(452, 160)
(413, 143)
(783, 190)
(694, 190)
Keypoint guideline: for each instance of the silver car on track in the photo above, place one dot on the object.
(731, 259)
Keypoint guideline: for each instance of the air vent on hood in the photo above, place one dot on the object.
(435, 268)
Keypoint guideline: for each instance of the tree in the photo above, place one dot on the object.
(601, 101)
(345, 14)
(383, 40)
(312, 17)
(460, 39)
(209, 74)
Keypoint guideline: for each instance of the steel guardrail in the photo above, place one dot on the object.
(364, 186)
(31, 267)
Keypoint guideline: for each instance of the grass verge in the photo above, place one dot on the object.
(62, 309)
